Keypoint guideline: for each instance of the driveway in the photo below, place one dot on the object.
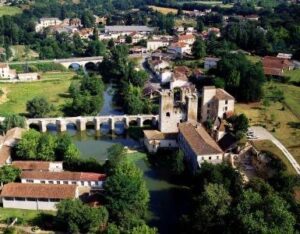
(263, 134)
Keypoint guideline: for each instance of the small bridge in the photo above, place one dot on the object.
(81, 123)
(68, 62)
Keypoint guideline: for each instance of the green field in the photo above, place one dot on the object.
(54, 89)
(24, 216)
(294, 75)
(9, 10)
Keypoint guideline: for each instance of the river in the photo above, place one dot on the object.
(166, 199)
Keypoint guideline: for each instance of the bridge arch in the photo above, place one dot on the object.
(35, 126)
(74, 66)
(51, 127)
(91, 66)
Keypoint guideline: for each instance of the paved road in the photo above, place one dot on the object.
(264, 134)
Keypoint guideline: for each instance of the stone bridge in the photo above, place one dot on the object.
(79, 61)
(81, 123)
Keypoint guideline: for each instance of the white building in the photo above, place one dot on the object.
(32, 76)
(216, 103)
(210, 62)
(38, 166)
(36, 196)
(126, 30)
(179, 48)
(92, 180)
(197, 145)
(154, 140)
(46, 22)
(6, 72)
(179, 80)
(165, 76)
(153, 45)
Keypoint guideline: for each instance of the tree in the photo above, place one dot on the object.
(210, 210)
(76, 217)
(198, 49)
(38, 107)
(144, 229)
(268, 214)
(126, 194)
(200, 25)
(116, 154)
(27, 146)
(240, 124)
(46, 147)
(9, 174)
(66, 150)
(177, 163)
(12, 121)
(128, 39)
(133, 100)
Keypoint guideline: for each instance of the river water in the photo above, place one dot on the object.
(166, 198)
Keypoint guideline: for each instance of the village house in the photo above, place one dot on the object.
(36, 196)
(210, 62)
(87, 179)
(6, 72)
(126, 30)
(153, 45)
(185, 38)
(216, 103)
(275, 66)
(198, 146)
(179, 49)
(38, 166)
(154, 140)
(46, 22)
(31, 76)
(215, 31)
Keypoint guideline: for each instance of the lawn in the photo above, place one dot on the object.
(266, 145)
(20, 54)
(253, 58)
(283, 123)
(164, 10)
(24, 216)
(293, 74)
(54, 90)
(9, 10)
(187, 21)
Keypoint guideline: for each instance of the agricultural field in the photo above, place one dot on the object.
(281, 119)
(9, 10)
(52, 86)
(293, 74)
(164, 10)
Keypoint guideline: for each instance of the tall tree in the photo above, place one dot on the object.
(199, 48)
(38, 107)
(9, 174)
(12, 121)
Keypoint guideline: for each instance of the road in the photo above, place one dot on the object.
(263, 134)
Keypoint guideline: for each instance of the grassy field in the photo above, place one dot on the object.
(283, 122)
(9, 10)
(267, 145)
(24, 216)
(164, 10)
(19, 53)
(253, 58)
(293, 74)
(181, 22)
(54, 89)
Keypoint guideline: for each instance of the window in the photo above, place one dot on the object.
(217, 157)
(208, 105)
(43, 182)
(65, 182)
(31, 199)
(29, 181)
(74, 182)
(208, 112)
(43, 199)
(226, 108)
(8, 198)
(226, 102)
(168, 114)
(51, 182)
(82, 182)
(209, 158)
(20, 199)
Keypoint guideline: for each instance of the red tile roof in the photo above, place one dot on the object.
(198, 139)
(185, 37)
(32, 165)
(221, 94)
(65, 175)
(276, 63)
(49, 191)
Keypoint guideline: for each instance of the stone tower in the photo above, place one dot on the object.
(174, 112)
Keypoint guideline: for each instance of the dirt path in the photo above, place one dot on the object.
(3, 97)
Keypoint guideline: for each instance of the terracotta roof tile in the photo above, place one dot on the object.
(198, 139)
(64, 175)
(276, 63)
(221, 94)
(157, 135)
(53, 191)
(32, 165)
